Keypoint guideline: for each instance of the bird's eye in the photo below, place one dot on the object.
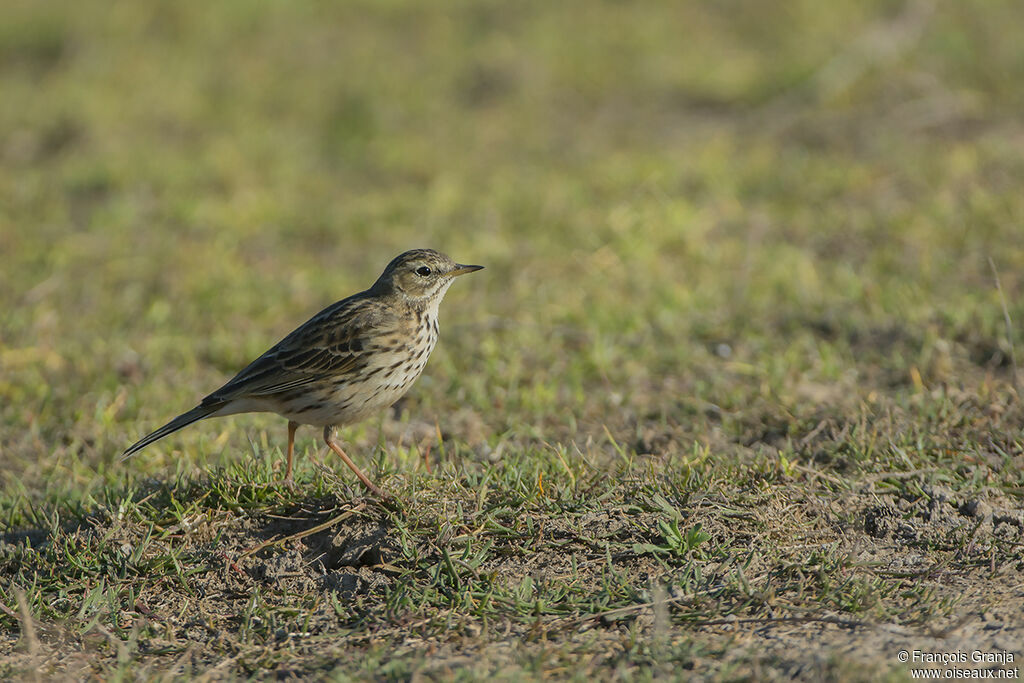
(423, 270)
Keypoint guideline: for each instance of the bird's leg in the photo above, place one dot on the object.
(332, 444)
(288, 481)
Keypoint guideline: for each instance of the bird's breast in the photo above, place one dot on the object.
(392, 363)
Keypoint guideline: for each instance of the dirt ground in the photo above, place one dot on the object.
(800, 575)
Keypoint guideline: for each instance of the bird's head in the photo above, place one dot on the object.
(421, 275)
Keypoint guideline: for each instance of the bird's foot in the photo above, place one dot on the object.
(388, 501)
(380, 495)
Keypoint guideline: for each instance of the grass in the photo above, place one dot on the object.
(734, 398)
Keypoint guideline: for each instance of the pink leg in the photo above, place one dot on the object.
(329, 440)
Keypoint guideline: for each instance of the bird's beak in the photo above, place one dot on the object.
(462, 270)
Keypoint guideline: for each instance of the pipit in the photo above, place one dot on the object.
(348, 361)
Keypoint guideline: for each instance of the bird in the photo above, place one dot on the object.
(350, 360)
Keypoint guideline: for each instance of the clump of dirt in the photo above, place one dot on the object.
(316, 546)
(884, 521)
(941, 515)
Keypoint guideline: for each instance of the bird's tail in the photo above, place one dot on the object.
(183, 420)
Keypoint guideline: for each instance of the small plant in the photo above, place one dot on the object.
(677, 543)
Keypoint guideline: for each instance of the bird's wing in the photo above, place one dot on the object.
(334, 342)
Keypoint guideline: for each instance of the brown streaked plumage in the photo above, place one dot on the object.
(348, 361)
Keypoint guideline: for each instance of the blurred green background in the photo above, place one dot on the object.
(737, 204)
